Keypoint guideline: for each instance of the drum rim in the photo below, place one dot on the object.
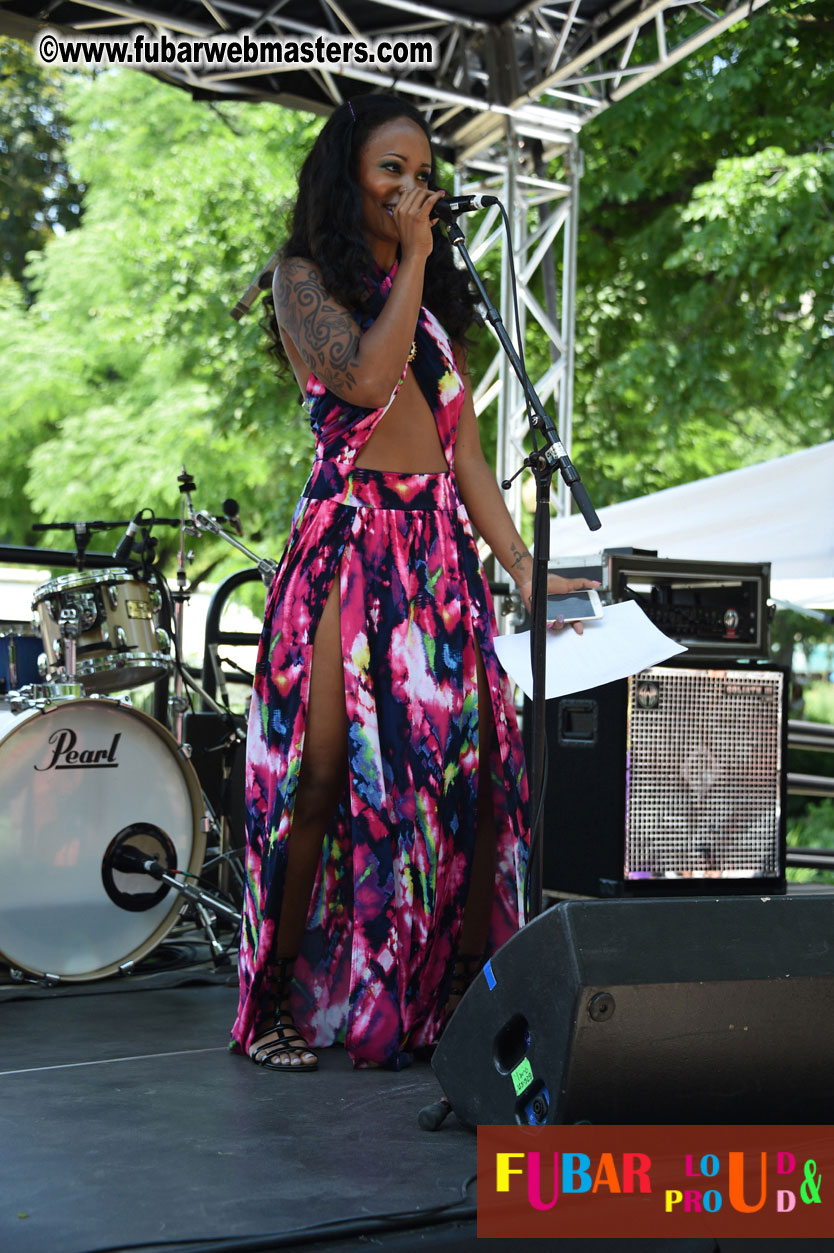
(82, 578)
(198, 845)
(157, 659)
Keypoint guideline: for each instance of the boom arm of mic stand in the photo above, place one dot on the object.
(266, 566)
(195, 895)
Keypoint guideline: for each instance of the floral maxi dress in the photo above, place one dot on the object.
(385, 915)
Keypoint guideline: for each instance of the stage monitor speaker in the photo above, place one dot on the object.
(670, 782)
(707, 1010)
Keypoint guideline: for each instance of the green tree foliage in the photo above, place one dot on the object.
(129, 365)
(38, 194)
(705, 321)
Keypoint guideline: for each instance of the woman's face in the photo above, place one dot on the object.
(394, 158)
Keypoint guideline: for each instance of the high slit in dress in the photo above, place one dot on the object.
(385, 915)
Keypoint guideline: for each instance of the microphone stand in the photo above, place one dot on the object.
(543, 462)
(131, 860)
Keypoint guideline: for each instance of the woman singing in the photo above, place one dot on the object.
(386, 796)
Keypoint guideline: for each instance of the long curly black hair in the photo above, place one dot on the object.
(325, 223)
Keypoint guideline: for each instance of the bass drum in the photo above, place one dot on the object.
(85, 785)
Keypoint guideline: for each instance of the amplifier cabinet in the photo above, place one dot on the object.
(672, 781)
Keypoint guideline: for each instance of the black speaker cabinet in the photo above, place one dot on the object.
(670, 782)
(702, 1010)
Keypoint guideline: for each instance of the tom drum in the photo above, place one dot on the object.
(112, 618)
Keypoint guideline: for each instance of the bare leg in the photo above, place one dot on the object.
(320, 784)
(322, 778)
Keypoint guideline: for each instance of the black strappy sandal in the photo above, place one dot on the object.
(281, 1047)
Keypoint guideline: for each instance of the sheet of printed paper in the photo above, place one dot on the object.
(622, 642)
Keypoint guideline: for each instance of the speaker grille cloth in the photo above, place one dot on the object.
(703, 774)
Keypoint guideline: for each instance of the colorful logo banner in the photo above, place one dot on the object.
(654, 1181)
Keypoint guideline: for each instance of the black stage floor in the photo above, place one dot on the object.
(128, 1125)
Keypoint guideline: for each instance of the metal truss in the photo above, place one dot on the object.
(547, 69)
(542, 214)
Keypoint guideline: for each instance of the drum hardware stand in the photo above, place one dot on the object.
(178, 702)
(70, 629)
(83, 534)
(205, 522)
(200, 522)
(45, 981)
(224, 861)
(133, 860)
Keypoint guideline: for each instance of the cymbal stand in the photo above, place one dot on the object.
(195, 523)
(177, 702)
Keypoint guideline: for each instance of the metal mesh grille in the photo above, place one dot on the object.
(703, 794)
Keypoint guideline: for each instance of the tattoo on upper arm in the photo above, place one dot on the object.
(326, 336)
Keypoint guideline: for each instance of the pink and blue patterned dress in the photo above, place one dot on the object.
(385, 915)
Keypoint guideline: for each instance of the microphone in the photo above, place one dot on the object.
(449, 207)
(125, 545)
(232, 511)
(131, 860)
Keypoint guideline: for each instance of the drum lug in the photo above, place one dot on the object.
(127, 968)
(68, 623)
(50, 981)
(88, 614)
(207, 825)
(187, 751)
(113, 595)
(121, 638)
(163, 640)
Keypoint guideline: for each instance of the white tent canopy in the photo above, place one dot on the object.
(780, 511)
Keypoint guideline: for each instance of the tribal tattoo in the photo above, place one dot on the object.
(326, 336)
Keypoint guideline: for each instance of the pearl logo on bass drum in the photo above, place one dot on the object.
(65, 755)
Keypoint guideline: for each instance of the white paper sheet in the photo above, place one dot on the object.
(622, 642)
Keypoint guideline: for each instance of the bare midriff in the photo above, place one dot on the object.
(405, 440)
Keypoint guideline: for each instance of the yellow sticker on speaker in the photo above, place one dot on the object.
(522, 1076)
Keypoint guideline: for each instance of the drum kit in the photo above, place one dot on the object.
(103, 821)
